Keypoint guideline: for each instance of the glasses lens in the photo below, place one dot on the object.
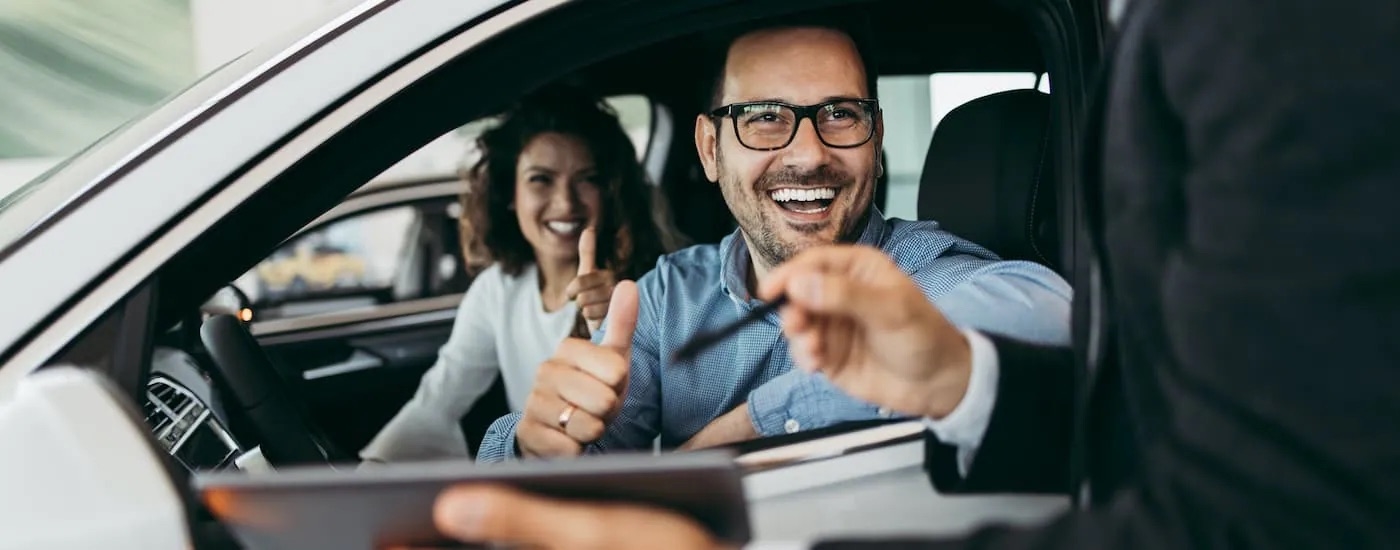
(772, 125)
(845, 123)
(764, 125)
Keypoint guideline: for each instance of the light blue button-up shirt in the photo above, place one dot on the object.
(704, 287)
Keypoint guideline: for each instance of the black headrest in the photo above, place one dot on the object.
(988, 176)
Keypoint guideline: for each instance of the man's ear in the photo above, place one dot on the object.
(706, 144)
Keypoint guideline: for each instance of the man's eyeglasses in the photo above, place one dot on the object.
(771, 125)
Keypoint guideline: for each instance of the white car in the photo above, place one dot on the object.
(107, 260)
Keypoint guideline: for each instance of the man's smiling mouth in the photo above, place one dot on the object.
(805, 200)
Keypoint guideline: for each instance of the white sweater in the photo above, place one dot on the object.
(501, 328)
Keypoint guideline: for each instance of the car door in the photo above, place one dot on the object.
(354, 308)
(221, 185)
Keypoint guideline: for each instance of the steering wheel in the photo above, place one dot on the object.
(285, 429)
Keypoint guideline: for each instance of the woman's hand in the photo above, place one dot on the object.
(593, 288)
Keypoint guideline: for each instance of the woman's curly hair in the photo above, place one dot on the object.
(632, 225)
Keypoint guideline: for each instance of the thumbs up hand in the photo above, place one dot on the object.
(592, 289)
(580, 389)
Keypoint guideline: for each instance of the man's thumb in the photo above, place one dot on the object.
(622, 317)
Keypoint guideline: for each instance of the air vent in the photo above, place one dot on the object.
(156, 417)
(165, 392)
(170, 411)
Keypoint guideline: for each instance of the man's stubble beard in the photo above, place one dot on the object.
(761, 230)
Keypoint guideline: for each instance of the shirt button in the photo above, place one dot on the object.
(791, 425)
(883, 412)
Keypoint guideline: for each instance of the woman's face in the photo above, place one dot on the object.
(556, 194)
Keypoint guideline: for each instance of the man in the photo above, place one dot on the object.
(1247, 239)
(794, 144)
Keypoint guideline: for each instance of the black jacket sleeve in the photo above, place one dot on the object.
(1026, 446)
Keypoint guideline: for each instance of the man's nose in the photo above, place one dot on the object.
(806, 151)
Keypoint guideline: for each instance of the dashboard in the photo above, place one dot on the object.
(185, 414)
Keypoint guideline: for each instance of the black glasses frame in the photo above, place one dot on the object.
(803, 112)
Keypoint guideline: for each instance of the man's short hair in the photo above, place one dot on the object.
(849, 21)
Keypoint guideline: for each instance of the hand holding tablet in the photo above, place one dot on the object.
(393, 505)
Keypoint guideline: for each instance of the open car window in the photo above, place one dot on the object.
(396, 253)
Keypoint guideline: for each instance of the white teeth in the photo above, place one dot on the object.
(562, 227)
(807, 194)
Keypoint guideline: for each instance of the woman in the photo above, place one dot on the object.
(557, 210)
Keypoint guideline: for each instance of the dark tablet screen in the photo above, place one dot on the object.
(305, 508)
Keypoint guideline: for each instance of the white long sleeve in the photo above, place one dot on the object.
(501, 329)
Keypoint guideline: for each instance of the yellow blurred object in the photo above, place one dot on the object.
(310, 268)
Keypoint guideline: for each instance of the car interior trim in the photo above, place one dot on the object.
(276, 327)
(371, 326)
(358, 361)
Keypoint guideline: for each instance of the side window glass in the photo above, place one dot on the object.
(350, 262)
(913, 107)
(634, 112)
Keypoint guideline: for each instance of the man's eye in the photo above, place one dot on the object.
(764, 117)
(839, 112)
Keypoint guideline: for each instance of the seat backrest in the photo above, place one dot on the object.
(988, 176)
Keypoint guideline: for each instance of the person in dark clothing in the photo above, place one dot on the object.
(1238, 382)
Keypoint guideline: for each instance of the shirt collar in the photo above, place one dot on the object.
(734, 264)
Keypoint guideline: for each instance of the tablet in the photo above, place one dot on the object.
(306, 508)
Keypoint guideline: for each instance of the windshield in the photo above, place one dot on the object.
(24, 190)
(18, 212)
